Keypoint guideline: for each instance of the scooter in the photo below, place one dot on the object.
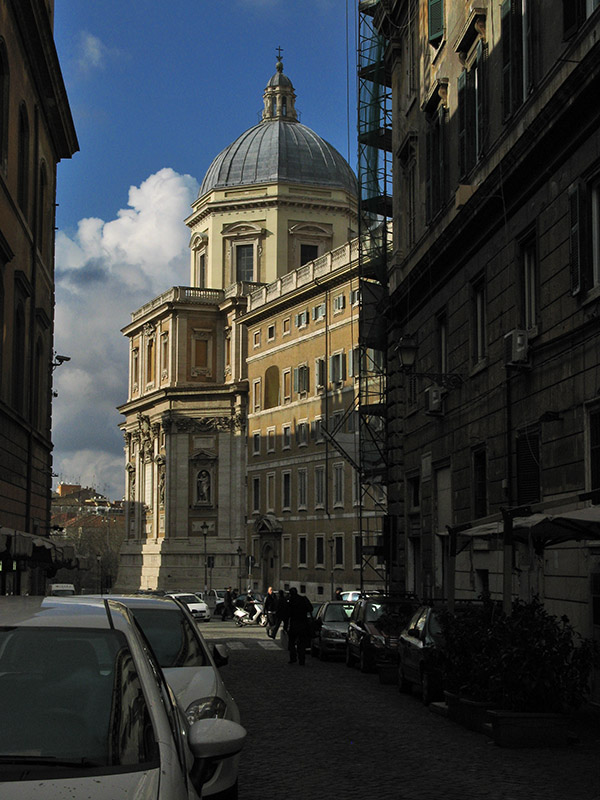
(242, 617)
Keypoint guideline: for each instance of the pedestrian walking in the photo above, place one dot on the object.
(338, 593)
(279, 613)
(297, 624)
(227, 605)
(270, 609)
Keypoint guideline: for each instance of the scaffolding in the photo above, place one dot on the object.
(375, 213)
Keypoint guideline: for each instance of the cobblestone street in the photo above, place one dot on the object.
(327, 731)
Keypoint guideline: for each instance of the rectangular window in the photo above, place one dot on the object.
(286, 437)
(472, 110)
(302, 433)
(479, 483)
(319, 312)
(286, 491)
(256, 338)
(287, 386)
(529, 283)
(255, 495)
(320, 374)
(338, 485)
(135, 369)
(339, 303)
(319, 487)
(436, 161)
(270, 440)
(286, 326)
(286, 551)
(308, 252)
(302, 551)
(528, 468)
(316, 430)
(338, 551)
(337, 367)
(301, 379)
(271, 491)
(319, 551)
(302, 489)
(164, 356)
(256, 395)
(595, 230)
(516, 36)
(442, 341)
(301, 319)
(414, 493)
(354, 297)
(436, 22)
(256, 443)
(244, 262)
(356, 540)
(478, 324)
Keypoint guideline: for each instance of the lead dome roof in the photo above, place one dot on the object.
(279, 149)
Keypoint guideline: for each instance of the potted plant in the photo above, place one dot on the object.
(529, 667)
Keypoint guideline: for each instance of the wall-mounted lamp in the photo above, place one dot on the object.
(406, 350)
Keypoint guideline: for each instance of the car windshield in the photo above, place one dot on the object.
(71, 696)
(389, 617)
(172, 637)
(188, 599)
(338, 613)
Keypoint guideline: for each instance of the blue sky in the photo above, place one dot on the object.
(157, 90)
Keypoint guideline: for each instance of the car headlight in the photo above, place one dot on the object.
(206, 708)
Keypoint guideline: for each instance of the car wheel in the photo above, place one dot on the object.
(349, 657)
(364, 661)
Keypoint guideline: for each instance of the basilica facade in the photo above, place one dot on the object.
(273, 207)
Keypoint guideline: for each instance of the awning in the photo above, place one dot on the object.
(544, 530)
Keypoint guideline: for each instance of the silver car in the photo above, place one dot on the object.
(331, 629)
(191, 670)
(87, 712)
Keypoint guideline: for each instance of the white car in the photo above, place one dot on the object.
(87, 712)
(191, 670)
(198, 608)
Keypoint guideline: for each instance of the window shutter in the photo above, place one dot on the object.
(471, 119)
(343, 366)
(436, 21)
(462, 123)
(429, 172)
(505, 35)
(482, 123)
(575, 238)
(516, 58)
(296, 381)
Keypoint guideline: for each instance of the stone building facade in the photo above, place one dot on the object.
(36, 132)
(277, 198)
(495, 279)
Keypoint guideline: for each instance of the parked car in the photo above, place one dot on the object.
(214, 598)
(331, 629)
(420, 655)
(198, 608)
(374, 630)
(87, 711)
(191, 670)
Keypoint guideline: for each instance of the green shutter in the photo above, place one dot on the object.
(436, 20)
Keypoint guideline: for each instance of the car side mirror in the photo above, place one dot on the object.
(212, 740)
(414, 632)
(221, 655)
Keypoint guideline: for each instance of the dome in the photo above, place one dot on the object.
(279, 149)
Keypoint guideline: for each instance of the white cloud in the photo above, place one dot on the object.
(103, 273)
(92, 52)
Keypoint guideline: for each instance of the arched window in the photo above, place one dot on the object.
(23, 161)
(272, 387)
(18, 365)
(4, 93)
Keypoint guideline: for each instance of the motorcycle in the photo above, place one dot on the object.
(242, 617)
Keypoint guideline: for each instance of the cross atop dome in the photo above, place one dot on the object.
(279, 96)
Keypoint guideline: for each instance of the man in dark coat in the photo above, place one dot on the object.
(270, 609)
(227, 605)
(296, 622)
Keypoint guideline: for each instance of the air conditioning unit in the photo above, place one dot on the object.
(515, 347)
(434, 396)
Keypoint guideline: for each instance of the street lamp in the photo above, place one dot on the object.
(204, 529)
(239, 577)
(406, 351)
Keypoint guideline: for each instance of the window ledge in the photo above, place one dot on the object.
(481, 366)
